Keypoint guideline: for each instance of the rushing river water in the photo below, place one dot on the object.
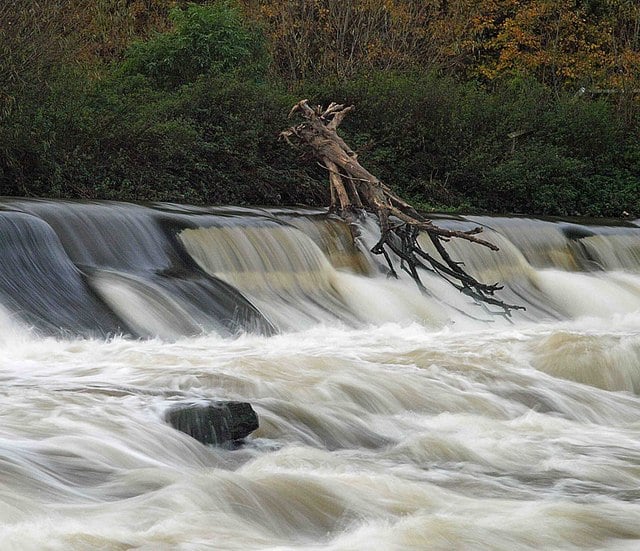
(389, 420)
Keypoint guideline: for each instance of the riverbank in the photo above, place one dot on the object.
(192, 115)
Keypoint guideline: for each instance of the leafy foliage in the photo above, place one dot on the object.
(205, 40)
(447, 144)
(460, 105)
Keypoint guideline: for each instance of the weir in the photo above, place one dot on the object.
(101, 269)
(388, 418)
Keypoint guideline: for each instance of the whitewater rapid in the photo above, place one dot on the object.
(388, 437)
(389, 420)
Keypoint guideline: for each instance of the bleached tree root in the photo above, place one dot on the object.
(354, 190)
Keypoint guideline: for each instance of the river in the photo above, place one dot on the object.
(389, 419)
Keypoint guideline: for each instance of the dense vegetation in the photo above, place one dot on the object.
(529, 106)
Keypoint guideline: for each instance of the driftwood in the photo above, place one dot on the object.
(354, 190)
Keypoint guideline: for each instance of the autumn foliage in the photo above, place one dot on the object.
(526, 106)
(560, 42)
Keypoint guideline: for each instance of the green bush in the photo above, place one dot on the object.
(444, 143)
(190, 116)
(586, 128)
(185, 117)
(213, 141)
(209, 39)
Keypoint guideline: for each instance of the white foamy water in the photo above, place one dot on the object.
(388, 437)
(389, 419)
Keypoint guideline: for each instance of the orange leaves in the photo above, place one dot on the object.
(560, 42)
(335, 37)
(567, 43)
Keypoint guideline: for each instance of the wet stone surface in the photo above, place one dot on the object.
(221, 423)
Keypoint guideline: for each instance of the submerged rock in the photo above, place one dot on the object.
(575, 231)
(217, 423)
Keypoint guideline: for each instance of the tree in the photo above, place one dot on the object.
(205, 40)
(311, 39)
(355, 190)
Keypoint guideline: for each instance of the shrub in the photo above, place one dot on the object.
(205, 40)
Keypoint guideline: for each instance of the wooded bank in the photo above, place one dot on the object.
(144, 103)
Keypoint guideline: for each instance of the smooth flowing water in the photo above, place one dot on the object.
(389, 419)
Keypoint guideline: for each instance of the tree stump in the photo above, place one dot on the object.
(355, 191)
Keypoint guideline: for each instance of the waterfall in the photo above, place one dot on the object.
(389, 418)
(169, 271)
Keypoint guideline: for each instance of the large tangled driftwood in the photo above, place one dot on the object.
(355, 190)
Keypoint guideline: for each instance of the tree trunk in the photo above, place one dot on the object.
(354, 190)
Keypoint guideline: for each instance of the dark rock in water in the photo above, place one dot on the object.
(575, 232)
(218, 423)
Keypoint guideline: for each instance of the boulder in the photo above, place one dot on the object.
(216, 423)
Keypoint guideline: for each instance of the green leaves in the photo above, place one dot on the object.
(191, 115)
(206, 40)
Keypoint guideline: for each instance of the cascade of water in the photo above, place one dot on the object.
(388, 418)
(41, 286)
(169, 270)
(279, 268)
(112, 236)
(127, 256)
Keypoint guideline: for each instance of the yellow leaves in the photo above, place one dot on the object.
(550, 39)
(546, 38)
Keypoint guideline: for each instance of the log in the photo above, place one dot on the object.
(355, 191)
